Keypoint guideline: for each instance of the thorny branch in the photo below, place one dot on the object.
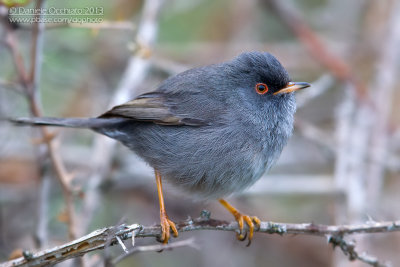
(108, 236)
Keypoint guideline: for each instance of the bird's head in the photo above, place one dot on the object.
(264, 74)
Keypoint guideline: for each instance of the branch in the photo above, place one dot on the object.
(316, 48)
(134, 75)
(30, 84)
(348, 249)
(320, 86)
(159, 247)
(108, 236)
(386, 79)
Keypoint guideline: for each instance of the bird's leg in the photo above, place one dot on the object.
(166, 224)
(251, 221)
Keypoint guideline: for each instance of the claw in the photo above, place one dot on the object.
(251, 221)
(241, 236)
(166, 226)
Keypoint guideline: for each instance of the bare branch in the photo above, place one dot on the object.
(348, 249)
(101, 238)
(30, 81)
(320, 86)
(12, 44)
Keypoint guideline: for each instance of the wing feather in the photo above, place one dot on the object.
(156, 107)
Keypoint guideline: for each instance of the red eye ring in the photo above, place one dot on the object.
(261, 88)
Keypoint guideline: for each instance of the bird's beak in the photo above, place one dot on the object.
(291, 87)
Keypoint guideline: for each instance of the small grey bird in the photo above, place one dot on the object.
(210, 131)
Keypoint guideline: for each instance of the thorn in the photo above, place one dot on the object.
(122, 244)
(133, 238)
(328, 238)
(205, 215)
(27, 255)
(370, 219)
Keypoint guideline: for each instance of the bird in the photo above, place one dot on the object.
(210, 131)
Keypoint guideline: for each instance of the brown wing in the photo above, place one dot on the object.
(152, 107)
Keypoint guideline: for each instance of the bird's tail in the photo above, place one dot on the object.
(92, 123)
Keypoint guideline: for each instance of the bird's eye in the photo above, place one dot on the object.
(261, 88)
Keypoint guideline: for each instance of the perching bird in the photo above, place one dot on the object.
(209, 131)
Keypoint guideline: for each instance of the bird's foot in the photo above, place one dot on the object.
(166, 226)
(252, 222)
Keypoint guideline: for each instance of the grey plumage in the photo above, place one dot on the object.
(206, 130)
(67, 122)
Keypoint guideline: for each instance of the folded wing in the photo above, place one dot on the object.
(156, 107)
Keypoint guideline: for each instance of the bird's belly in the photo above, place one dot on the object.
(208, 187)
(204, 164)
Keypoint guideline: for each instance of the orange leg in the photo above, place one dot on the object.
(251, 221)
(166, 224)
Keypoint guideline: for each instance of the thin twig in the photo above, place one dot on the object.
(100, 239)
(348, 248)
(42, 219)
(12, 44)
(13, 86)
(159, 247)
